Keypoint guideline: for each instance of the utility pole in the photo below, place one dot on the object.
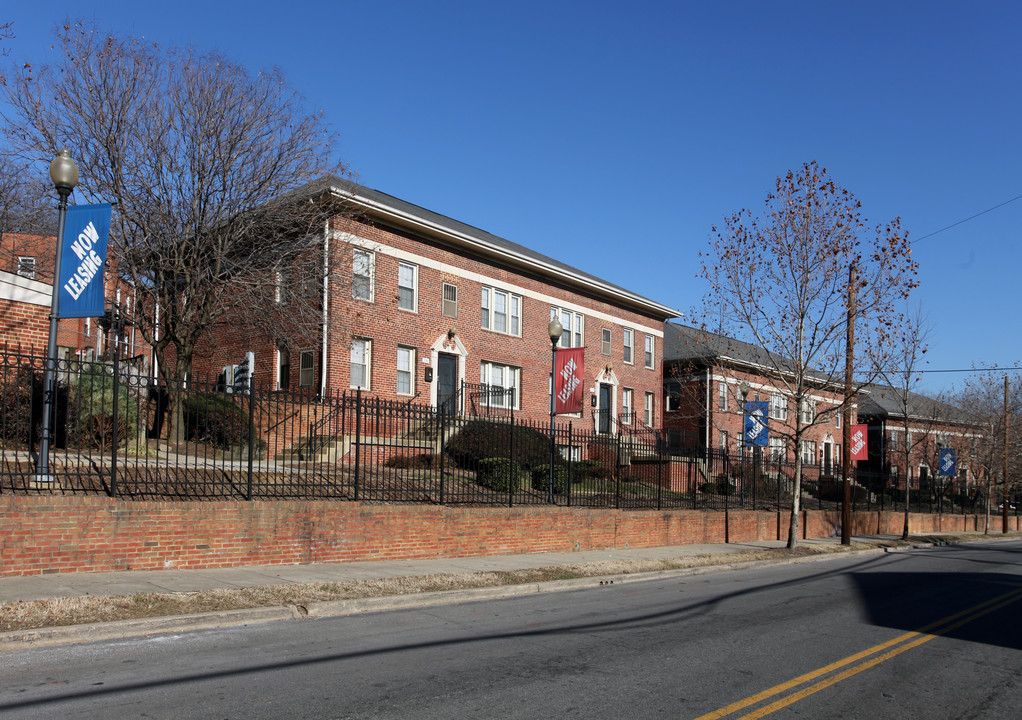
(1005, 495)
(846, 435)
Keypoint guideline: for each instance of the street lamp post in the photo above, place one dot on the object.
(744, 388)
(554, 330)
(64, 174)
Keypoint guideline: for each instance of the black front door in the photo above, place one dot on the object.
(603, 424)
(447, 383)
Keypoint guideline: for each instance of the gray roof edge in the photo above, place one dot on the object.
(480, 240)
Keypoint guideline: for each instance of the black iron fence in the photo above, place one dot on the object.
(121, 433)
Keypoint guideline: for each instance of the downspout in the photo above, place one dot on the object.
(326, 309)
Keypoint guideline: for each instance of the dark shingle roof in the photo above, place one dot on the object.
(884, 401)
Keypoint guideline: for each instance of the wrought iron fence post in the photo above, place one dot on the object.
(571, 467)
(113, 433)
(659, 472)
(616, 446)
(441, 415)
(251, 435)
(358, 438)
(512, 468)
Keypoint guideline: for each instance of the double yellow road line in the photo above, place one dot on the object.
(854, 664)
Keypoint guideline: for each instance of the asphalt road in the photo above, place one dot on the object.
(928, 633)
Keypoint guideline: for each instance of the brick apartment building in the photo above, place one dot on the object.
(931, 425)
(707, 379)
(417, 305)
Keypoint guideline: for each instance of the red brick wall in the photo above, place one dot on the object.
(25, 325)
(68, 534)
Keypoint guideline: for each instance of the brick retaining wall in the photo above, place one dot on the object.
(94, 534)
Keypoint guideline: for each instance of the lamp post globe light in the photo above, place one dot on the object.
(554, 330)
(64, 174)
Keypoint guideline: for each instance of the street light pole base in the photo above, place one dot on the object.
(41, 482)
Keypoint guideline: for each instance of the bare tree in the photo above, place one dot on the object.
(6, 33)
(199, 157)
(909, 345)
(781, 281)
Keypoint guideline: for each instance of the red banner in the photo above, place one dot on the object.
(859, 446)
(568, 380)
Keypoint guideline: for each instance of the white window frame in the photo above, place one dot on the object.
(449, 305)
(776, 450)
(410, 273)
(626, 406)
(722, 396)
(649, 407)
(808, 451)
(628, 346)
(283, 368)
(365, 363)
(408, 371)
(573, 327)
(512, 311)
(26, 266)
(510, 378)
(370, 276)
(808, 409)
(778, 406)
(649, 347)
(723, 440)
(606, 336)
(306, 368)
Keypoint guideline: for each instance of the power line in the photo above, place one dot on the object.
(971, 217)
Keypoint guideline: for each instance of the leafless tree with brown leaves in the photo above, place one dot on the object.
(779, 281)
(199, 157)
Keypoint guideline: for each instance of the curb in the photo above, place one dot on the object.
(141, 628)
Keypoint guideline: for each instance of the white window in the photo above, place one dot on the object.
(722, 396)
(405, 370)
(649, 409)
(893, 445)
(808, 408)
(361, 362)
(306, 367)
(626, 406)
(605, 342)
(809, 452)
(450, 302)
(572, 332)
(837, 417)
(407, 286)
(775, 448)
(501, 311)
(628, 344)
(649, 351)
(503, 384)
(362, 267)
(26, 267)
(281, 287)
(778, 407)
(723, 440)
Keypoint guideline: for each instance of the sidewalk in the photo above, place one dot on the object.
(44, 587)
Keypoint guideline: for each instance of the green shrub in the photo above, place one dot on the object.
(591, 470)
(412, 462)
(16, 406)
(541, 479)
(500, 474)
(480, 439)
(91, 407)
(214, 419)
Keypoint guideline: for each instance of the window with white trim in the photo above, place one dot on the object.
(449, 307)
(605, 342)
(722, 396)
(501, 311)
(283, 368)
(648, 409)
(649, 352)
(893, 443)
(809, 452)
(504, 380)
(405, 370)
(723, 440)
(361, 362)
(626, 406)
(363, 264)
(26, 267)
(837, 417)
(808, 409)
(306, 368)
(775, 449)
(628, 344)
(778, 407)
(572, 327)
(407, 286)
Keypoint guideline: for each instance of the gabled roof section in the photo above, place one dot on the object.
(884, 401)
(683, 343)
(403, 214)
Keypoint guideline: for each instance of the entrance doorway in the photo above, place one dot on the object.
(447, 383)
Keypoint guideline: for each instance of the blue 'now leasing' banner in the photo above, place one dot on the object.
(83, 257)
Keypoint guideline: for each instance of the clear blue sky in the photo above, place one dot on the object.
(612, 136)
